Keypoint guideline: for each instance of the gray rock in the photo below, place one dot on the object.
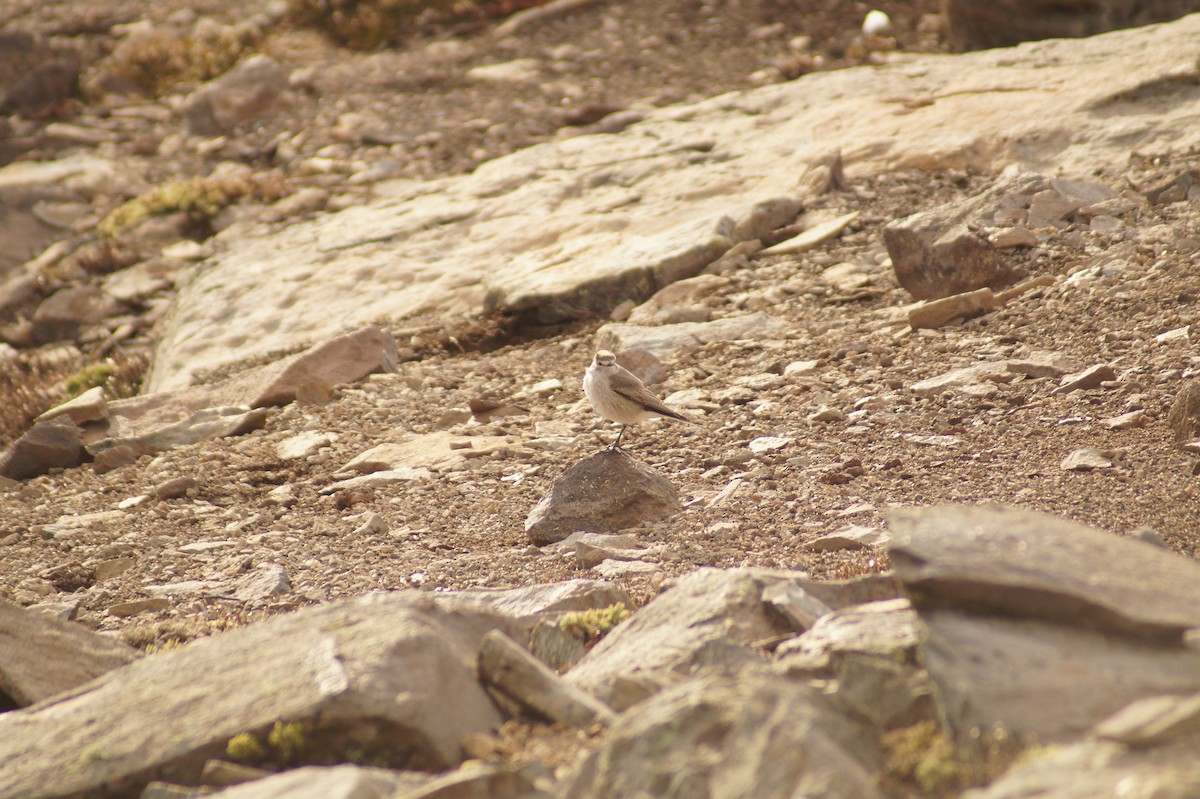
(799, 607)
(265, 581)
(90, 406)
(939, 253)
(344, 359)
(479, 781)
(383, 675)
(990, 671)
(853, 537)
(887, 629)
(593, 548)
(679, 302)
(41, 656)
(200, 426)
(253, 88)
(755, 736)
(1086, 460)
(55, 443)
(1153, 721)
(302, 446)
(710, 617)
(608, 491)
(332, 782)
(504, 665)
(1091, 377)
(992, 559)
(1100, 768)
(65, 312)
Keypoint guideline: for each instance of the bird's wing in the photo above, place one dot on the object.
(628, 386)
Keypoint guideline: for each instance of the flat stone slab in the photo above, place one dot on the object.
(710, 616)
(995, 559)
(755, 735)
(376, 669)
(1049, 681)
(41, 656)
(573, 227)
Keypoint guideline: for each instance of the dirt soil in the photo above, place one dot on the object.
(465, 529)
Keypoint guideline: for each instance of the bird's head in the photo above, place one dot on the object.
(604, 360)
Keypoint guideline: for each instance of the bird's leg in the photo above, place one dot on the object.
(617, 444)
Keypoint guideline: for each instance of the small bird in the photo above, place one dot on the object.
(618, 395)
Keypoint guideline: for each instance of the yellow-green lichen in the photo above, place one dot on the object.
(590, 626)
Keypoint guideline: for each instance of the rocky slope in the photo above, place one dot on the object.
(367, 384)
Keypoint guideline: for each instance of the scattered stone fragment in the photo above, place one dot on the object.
(1178, 334)
(990, 371)
(223, 773)
(521, 70)
(1006, 296)
(176, 487)
(800, 607)
(440, 451)
(344, 359)
(827, 414)
(1125, 421)
(936, 313)
(64, 313)
(1152, 721)
(1099, 768)
(986, 671)
(813, 237)
(608, 491)
(1087, 459)
(800, 369)
(50, 444)
(870, 650)
(1016, 236)
(387, 477)
(592, 548)
(113, 567)
(852, 537)
(682, 301)
(264, 582)
(1041, 364)
(41, 656)
(764, 444)
(938, 253)
(90, 406)
(504, 665)
(200, 426)
(300, 446)
(1089, 378)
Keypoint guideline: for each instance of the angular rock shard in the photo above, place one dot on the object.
(386, 676)
(1026, 564)
(42, 656)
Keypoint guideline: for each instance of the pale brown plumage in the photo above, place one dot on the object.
(619, 396)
